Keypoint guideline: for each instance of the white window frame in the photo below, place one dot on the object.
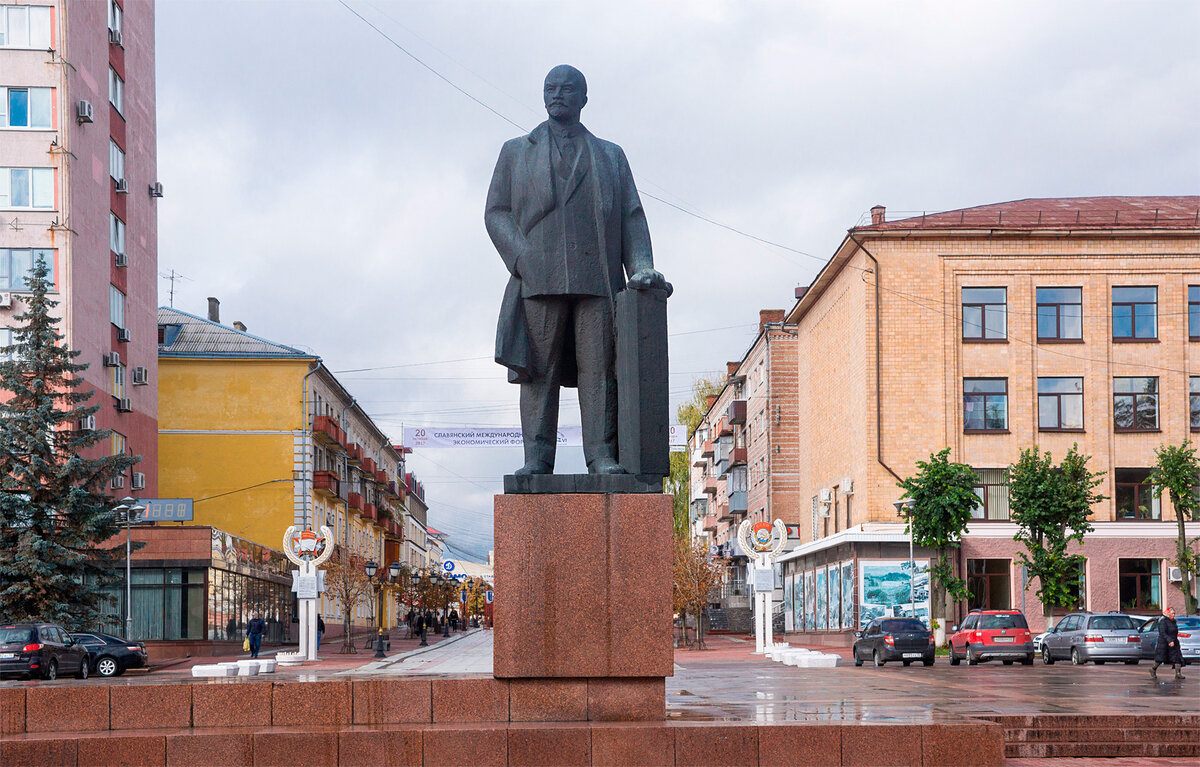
(116, 16)
(116, 161)
(116, 91)
(46, 195)
(6, 268)
(6, 339)
(11, 15)
(116, 306)
(117, 381)
(34, 125)
(116, 234)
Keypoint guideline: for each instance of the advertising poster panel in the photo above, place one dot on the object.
(885, 591)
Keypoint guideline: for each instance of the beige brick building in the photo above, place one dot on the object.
(1037, 322)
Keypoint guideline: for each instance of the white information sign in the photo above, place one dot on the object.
(763, 578)
(305, 586)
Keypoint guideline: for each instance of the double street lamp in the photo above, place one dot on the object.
(393, 571)
(416, 582)
(128, 511)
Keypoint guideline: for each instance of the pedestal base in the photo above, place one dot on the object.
(583, 586)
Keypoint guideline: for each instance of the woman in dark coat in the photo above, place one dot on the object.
(1167, 650)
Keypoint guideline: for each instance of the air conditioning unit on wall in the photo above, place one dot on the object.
(826, 495)
(6, 300)
(1174, 575)
(139, 481)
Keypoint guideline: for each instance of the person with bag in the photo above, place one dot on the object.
(254, 634)
(1167, 650)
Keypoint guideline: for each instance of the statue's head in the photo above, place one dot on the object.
(565, 93)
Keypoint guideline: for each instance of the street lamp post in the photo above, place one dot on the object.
(446, 606)
(128, 511)
(904, 507)
(416, 580)
(393, 571)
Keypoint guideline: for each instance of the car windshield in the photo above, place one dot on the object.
(16, 636)
(1112, 622)
(903, 624)
(1188, 622)
(1002, 622)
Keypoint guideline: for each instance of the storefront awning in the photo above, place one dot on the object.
(870, 532)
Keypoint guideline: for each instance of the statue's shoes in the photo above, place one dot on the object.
(534, 467)
(606, 467)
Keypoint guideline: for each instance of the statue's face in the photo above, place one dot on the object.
(565, 93)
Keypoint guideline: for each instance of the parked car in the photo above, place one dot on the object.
(1037, 642)
(1189, 637)
(902, 639)
(1095, 637)
(991, 634)
(111, 655)
(43, 650)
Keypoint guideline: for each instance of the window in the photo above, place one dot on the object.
(1135, 404)
(30, 188)
(16, 263)
(1139, 584)
(1135, 313)
(1194, 312)
(1132, 497)
(1060, 404)
(7, 340)
(25, 26)
(1060, 314)
(116, 90)
(970, 622)
(984, 314)
(115, 16)
(117, 381)
(993, 494)
(25, 108)
(1077, 588)
(116, 306)
(985, 404)
(1194, 401)
(116, 234)
(116, 161)
(116, 443)
(988, 581)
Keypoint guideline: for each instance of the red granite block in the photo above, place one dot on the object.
(362, 747)
(123, 749)
(66, 709)
(874, 744)
(627, 700)
(632, 745)
(799, 744)
(142, 706)
(38, 751)
(586, 585)
(304, 704)
(470, 700)
(392, 701)
(12, 710)
(717, 744)
(404, 746)
(548, 700)
(453, 745)
(296, 747)
(231, 704)
(549, 744)
(225, 748)
(948, 745)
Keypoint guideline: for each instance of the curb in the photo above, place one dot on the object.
(399, 658)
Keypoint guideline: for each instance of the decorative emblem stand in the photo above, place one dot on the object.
(762, 543)
(308, 551)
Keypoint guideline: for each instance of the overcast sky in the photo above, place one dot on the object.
(329, 189)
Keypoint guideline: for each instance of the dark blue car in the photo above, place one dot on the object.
(111, 655)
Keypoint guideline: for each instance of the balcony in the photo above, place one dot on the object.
(381, 477)
(369, 467)
(327, 431)
(355, 501)
(707, 450)
(326, 483)
(354, 454)
(698, 459)
(737, 502)
(391, 489)
(710, 485)
(736, 412)
(370, 511)
(724, 429)
(737, 457)
(710, 522)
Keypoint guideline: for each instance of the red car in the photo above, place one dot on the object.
(988, 634)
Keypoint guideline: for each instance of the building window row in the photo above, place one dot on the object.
(116, 91)
(25, 26)
(989, 582)
(1060, 313)
(1133, 498)
(17, 263)
(26, 108)
(27, 188)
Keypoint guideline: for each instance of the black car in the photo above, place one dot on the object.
(43, 650)
(902, 639)
(111, 655)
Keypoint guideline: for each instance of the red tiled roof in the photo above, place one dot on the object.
(1061, 212)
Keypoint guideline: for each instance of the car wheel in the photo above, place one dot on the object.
(972, 658)
(82, 673)
(907, 663)
(1131, 663)
(877, 658)
(928, 662)
(953, 657)
(1027, 660)
(1047, 658)
(107, 666)
(52, 670)
(1076, 658)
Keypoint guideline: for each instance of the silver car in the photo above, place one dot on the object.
(1096, 637)
(1189, 637)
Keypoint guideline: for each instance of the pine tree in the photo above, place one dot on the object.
(54, 509)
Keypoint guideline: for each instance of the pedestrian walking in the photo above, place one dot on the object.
(320, 631)
(254, 632)
(454, 620)
(1167, 650)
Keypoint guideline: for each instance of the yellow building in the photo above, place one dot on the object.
(262, 436)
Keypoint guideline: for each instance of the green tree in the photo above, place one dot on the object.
(1051, 506)
(943, 494)
(1177, 471)
(54, 507)
(689, 414)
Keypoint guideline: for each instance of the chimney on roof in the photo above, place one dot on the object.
(766, 316)
(800, 291)
(731, 368)
(238, 325)
(877, 214)
(709, 400)
(214, 310)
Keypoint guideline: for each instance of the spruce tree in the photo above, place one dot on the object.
(54, 507)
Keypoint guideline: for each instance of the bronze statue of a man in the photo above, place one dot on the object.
(564, 214)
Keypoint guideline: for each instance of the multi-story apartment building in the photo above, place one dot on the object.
(1044, 323)
(415, 551)
(262, 436)
(78, 188)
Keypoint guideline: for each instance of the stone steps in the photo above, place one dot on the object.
(1103, 735)
(1062, 736)
(1099, 750)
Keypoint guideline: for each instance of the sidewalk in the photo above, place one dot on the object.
(471, 654)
